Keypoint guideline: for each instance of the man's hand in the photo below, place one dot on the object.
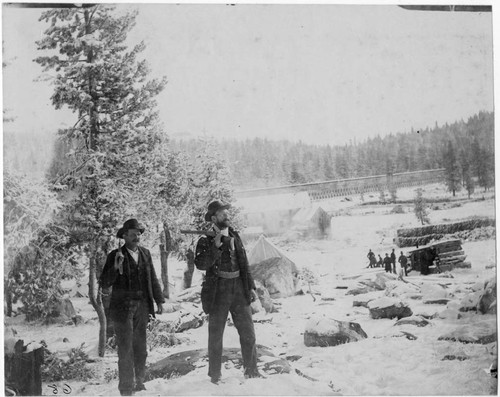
(218, 240)
(253, 295)
(160, 308)
(119, 262)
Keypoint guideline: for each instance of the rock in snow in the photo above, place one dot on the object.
(483, 332)
(388, 308)
(413, 320)
(325, 332)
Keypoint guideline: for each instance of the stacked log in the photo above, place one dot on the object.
(409, 237)
(450, 255)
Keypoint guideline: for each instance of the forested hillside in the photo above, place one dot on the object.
(261, 162)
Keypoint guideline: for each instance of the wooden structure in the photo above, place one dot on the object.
(345, 187)
(438, 257)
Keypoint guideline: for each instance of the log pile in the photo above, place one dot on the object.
(451, 255)
(447, 255)
(409, 237)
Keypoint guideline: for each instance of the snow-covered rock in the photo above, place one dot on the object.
(433, 291)
(256, 306)
(276, 275)
(482, 332)
(325, 332)
(488, 298)
(192, 294)
(188, 321)
(388, 308)
(403, 290)
(264, 297)
(362, 300)
(379, 282)
(470, 301)
(413, 320)
(361, 290)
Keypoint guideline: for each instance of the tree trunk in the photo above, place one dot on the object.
(96, 302)
(188, 273)
(164, 271)
(8, 299)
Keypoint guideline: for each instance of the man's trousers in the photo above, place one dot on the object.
(131, 341)
(230, 298)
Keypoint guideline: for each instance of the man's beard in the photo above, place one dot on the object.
(223, 224)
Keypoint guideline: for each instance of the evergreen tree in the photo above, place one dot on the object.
(420, 207)
(452, 169)
(116, 128)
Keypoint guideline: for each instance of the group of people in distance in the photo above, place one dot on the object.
(389, 262)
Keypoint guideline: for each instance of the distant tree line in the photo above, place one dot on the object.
(465, 149)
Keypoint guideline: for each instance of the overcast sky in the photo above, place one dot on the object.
(319, 73)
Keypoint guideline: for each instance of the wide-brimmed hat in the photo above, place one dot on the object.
(130, 224)
(213, 207)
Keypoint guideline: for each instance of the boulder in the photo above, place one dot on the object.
(361, 290)
(449, 314)
(256, 306)
(325, 332)
(264, 297)
(483, 332)
(192, 294)
(388, 308)
(488, 299)
(276, 274)
(362, 300)
(413, 320)
(182, 363)
(171, 307)
(188, 321)
(62, 311)
(437, 301)
(380, 280)
(470, 302)
(403, 290)
(427, 314)
(433, 291)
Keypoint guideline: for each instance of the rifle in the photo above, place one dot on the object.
(209, 233)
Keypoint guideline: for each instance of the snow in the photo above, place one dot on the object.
(386, 363)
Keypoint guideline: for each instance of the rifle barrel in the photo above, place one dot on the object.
(205, 232)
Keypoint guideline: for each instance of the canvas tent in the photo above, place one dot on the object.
(273, 213)
(273, 269)
(313, 221)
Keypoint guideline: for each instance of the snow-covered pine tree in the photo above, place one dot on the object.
(116, 129)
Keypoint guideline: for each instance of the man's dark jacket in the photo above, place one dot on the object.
(122, 284)
(209, 258)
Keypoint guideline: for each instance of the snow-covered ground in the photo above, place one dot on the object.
(382, 364)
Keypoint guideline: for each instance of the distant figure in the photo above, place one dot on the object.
(403, 260)
(371, 258)
(393, 261)
(387, 263)
(380, 262)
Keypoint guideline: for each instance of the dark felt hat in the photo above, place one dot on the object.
(213, 207)
(130, 224)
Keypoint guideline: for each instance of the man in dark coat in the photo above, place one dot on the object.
(371, 258)
(393, 261)
(403, 260)
(228, 287)
(130, 271)
(387, 263)
(380, 262)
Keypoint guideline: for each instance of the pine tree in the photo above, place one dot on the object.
(116, 128)
(452, 169)
(420, 207)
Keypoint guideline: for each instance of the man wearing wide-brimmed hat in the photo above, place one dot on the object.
(228, 287)
(130, 271)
